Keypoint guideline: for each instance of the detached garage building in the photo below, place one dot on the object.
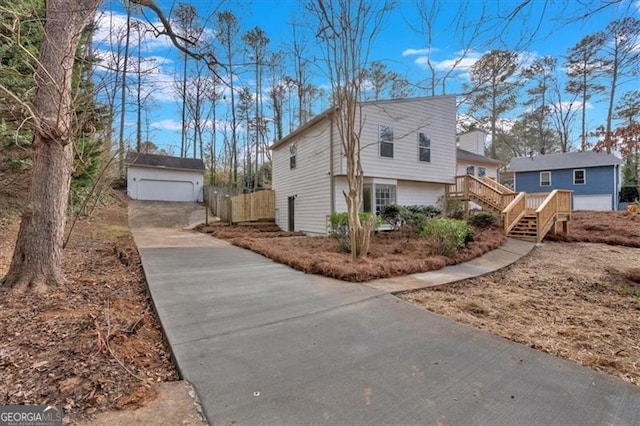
(594, 177)
(163, 178)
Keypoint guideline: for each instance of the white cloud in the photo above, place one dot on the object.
(421, 51)
(167, 124)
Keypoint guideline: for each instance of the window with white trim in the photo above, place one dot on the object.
(482, 171)
(579, 177)
(293, 150)
(424, 148)
(386, 141)
(545, 178)
(385, 194)
(471, 170)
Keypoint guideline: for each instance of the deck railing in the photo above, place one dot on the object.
(496, 185)
(556, 203)
(514, 211)
(488, 191)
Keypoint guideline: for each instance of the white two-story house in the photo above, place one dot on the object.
(408, 156)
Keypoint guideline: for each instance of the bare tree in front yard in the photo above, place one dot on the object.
(347, 29)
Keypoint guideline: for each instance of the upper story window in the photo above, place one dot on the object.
(545, 178)
(424, 148)
(579, 177)
(482, 171)
(293, 152)
(386, 141)
(471, 170)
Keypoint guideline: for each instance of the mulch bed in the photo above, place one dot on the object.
(92, 344)
(613, 228)
(391, 254)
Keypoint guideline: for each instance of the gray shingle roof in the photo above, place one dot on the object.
(164, 161)
(471, 156)
(567, 160)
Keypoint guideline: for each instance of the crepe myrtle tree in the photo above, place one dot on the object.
(37, 259)
(346, 29)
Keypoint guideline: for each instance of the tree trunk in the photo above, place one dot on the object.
(37, 258)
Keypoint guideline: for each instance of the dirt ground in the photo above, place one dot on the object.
(579, 301)
(391, 254)
(94, 344)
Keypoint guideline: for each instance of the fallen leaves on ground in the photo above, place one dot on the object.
(92, 344)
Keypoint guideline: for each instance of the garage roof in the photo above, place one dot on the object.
(567, 160)
(164, 161)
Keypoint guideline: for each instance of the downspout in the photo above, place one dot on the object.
(332, 182)
(615, 186)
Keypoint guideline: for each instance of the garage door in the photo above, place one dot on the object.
(165, 190)
(592, 202)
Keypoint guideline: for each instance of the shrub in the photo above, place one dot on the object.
(447, 236)
(483, 220)
(390, 214)
(413, 218)
(339, 223)
(455, 208)
(629, 194)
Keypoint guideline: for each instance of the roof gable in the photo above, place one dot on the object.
(567, 160)
(164, 161)
(470, 156)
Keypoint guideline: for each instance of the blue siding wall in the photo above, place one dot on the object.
(599, 180)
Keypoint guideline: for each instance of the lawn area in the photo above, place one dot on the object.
(391, 254)
(579, 300)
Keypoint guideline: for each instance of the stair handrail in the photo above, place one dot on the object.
(514, 211)
(546, 214)
(497, 185)
(483, 191)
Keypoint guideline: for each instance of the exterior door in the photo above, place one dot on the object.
(292, 213)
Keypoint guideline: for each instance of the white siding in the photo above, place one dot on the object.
(418, 193)
(434, 116)
(149, 183)
(309, 182)
(472, 141)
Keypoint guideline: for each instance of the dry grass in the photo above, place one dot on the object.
(613, 228)
(576, 301)
(391, 253)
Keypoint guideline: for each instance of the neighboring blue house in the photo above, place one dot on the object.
(594, 177)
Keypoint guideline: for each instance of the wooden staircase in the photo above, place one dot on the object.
(524, 216)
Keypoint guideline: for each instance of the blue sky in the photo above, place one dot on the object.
(398, 46)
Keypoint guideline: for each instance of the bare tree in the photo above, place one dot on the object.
(37, 258)
(347, 29)
(584, 66)
(621, 50)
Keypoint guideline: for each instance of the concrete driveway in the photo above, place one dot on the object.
(265, 344)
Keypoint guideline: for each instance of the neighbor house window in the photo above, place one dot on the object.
(471, 170)
(293, 151)
(545, 178)
(385, 194)
(482, 171)
(579, 177)
(424, 148)
(386, 141)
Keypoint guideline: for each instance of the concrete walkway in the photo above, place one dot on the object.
(265, 344)
(502, 257)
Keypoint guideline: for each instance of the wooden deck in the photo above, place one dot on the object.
(524, 216)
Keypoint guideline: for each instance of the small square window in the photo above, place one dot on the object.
(482, 171)
(545, 178)
(471, 170)
(579, 177)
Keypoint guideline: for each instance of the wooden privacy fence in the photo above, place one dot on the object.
(255, 207)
